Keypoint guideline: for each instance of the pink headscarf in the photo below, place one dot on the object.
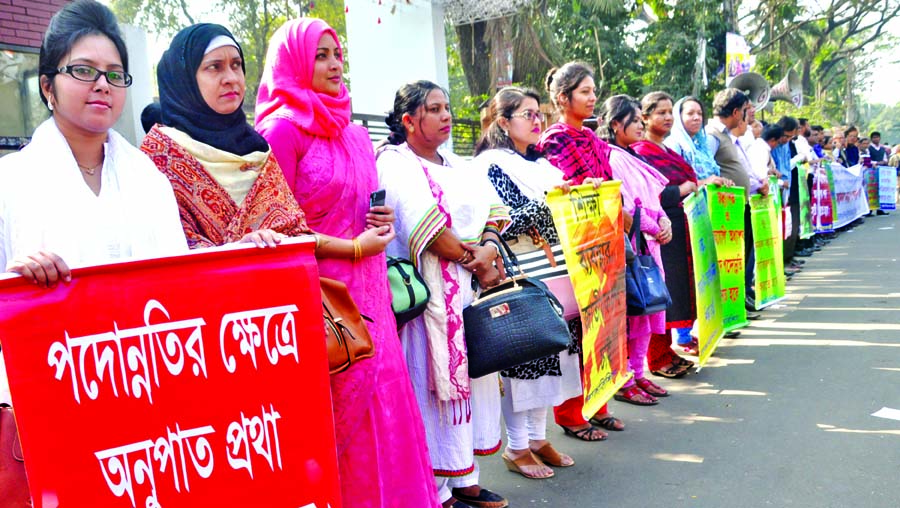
(285, 89)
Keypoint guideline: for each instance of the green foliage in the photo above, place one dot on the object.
(591, 33)
(670, 50)
(252, 21)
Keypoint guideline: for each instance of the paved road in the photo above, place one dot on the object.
(782, 417)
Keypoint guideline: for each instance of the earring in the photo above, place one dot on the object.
(412, 129)
(50, 105)
(505, 133)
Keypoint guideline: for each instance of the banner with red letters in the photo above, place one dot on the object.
(198, 380)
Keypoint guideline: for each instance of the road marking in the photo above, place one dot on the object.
(679, 457)
(886, 412)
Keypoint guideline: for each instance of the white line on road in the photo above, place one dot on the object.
(886, 412)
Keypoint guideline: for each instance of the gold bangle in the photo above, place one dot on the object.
(357, 250)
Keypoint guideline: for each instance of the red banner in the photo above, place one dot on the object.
(198, 380)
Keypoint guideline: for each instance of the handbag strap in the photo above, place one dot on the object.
(636, 231)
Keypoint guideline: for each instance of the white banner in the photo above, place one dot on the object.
(851, 193)
(887, 187)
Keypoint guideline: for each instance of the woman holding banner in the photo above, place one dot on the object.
(521, 177)
(582, 157)
(303, 111)
(445, 212)
(230, 188)
(659, 118)
(641, 187)
(98, 198)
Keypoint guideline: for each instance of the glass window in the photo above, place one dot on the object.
(21, 109)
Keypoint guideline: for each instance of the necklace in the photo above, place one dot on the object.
(89, 171)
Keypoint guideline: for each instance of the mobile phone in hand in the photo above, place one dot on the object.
(377, 198)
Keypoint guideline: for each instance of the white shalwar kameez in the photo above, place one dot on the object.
(456, 430)
(45, 205)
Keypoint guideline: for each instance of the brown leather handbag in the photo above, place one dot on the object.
(347, 338)
(13, 482)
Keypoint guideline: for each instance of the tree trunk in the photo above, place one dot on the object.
(475, 56)
(806, 80)
(850, 112)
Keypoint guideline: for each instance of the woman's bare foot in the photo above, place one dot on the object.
(585, 432)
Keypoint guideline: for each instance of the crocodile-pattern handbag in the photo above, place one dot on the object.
(515, 322)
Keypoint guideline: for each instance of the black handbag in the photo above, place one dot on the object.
(645, 287)
(513, 323)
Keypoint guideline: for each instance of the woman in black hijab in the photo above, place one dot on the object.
(184, 105)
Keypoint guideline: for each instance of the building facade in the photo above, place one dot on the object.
(22, 26)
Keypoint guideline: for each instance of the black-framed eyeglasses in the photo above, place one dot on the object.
(83, 72)
(529, 115)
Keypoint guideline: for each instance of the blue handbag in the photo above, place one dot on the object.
(645, 287)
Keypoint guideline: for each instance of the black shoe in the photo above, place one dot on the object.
(803, 253)
(732, 334)
(750, 304)
(753, 316)
(881, 212)
(486, 497)
(817, 248)
(798, 261)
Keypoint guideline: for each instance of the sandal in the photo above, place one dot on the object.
(516, 465)
(692, 348)
(609, 423)
(651, 387)
(682, 362)
(634, 395)
(586, 434)
(673, 371)
(549, 455)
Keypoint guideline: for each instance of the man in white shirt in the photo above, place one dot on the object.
(805, 152)
(760, 153)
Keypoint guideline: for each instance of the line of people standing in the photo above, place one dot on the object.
(409, 422)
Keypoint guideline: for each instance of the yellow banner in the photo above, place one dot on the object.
(589, 222)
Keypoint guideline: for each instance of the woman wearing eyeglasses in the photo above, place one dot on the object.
(78, 194)
(521, 176)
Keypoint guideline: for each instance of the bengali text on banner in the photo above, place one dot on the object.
(706, 274)
(870, 179)
(851, 196)
(589, 222)
(197, 380)
(887, 187)
(821, 205)
(806, 228)
(769, 278)
(726, 210)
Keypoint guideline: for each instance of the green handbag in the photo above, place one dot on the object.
(409, 293)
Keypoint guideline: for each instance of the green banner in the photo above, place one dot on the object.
(769, 270)
(706, 275)
(726, 211)
(806, 228)
(834, 207)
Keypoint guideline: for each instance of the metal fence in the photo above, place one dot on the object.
(465, 132)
